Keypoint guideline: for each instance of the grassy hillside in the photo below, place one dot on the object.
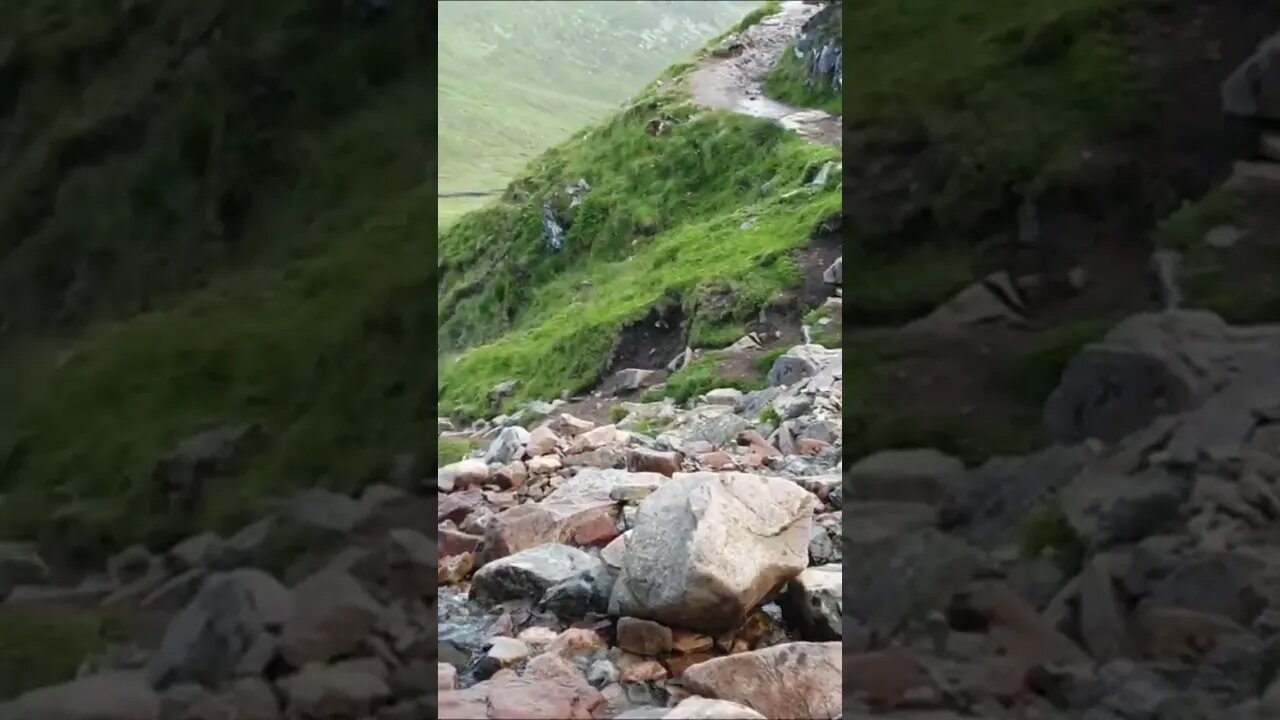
(147, 146)
(516, 77)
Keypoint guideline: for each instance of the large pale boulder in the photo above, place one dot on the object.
(707, 547)
(792, 680)
(700, 708)
(506, 697)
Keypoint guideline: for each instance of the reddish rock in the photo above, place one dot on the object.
(506, 697)
(785, 681)
(810, 447)
(645, 671)
(576, 641)
(685, 641)
(1014, 628)
(1178, 635)
(717, 461)
(644, 637)
(550, 666)
(511, 476)
(645, 460)
(457, 506)
(599, 528)
(455, 542)
(757, 442)
(886, 678)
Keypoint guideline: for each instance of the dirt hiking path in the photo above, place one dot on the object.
(736, 83)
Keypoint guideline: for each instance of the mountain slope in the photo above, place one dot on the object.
(516, 77)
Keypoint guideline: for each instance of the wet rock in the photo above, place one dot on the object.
(332, 616)
(791, 680)
(915, 476)
(206, 642)
(585, 591)
(814, 602)
(110, 696)
(1253, 89)
(708, 547)
(529, 573)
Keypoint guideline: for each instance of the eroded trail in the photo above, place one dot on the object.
(736, 83)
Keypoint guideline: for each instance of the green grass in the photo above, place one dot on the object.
(147, 154)
(664, 219)
(703, 376)
(1036, 370)
(40, 648)
(1185, 229)
(896, 286)
(451, 451)
(1048, 529)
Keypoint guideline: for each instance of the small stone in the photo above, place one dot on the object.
(643, 637)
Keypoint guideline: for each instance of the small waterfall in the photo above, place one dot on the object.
(1165, 264)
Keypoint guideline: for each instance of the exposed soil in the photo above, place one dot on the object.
(652, 342)
(735, 82)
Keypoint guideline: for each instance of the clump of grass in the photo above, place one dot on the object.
(1047, 529)
(765, 362)
(897, 286)
(1185, 228)
(755, 16)
(1035, 372)
(451, 451)
(45, 646)
(617, 413)
(701, 377)
(770, 416)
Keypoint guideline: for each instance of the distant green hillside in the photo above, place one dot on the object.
(517, 76)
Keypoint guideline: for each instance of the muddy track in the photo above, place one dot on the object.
(736, 83)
